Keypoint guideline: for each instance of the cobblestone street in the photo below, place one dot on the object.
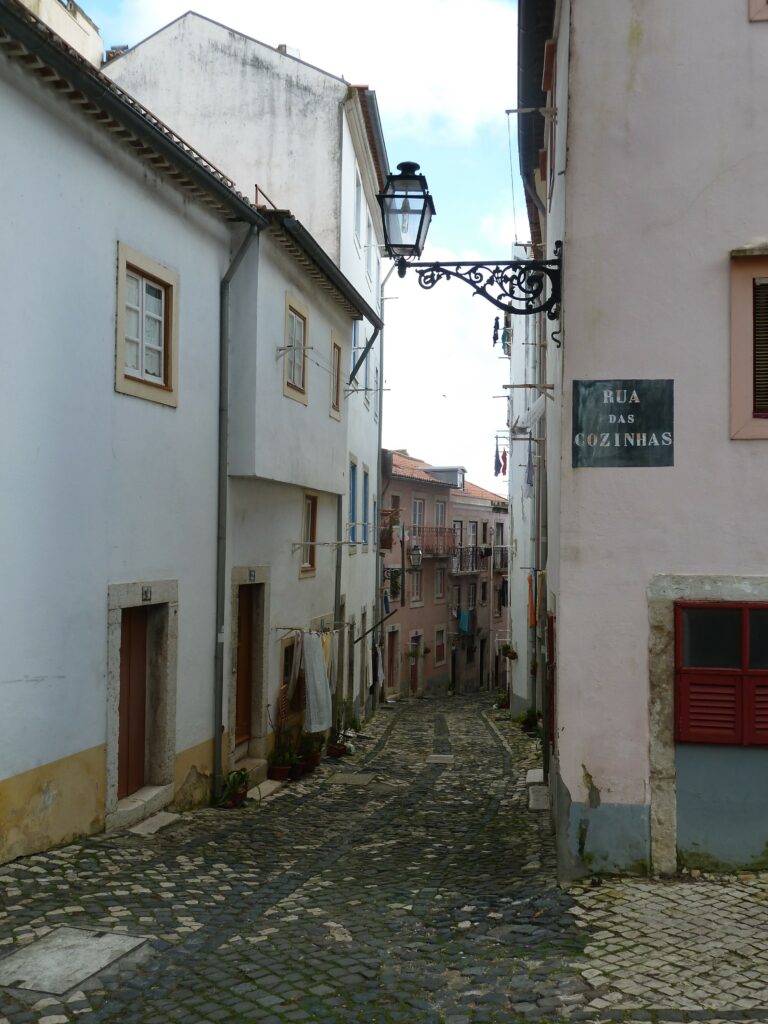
(408, 883)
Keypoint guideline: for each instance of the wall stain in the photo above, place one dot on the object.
(593, 793)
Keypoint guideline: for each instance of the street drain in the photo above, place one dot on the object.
(63, 959)
(350, 778)
(440, 759)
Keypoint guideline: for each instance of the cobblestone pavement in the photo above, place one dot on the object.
(387, 888)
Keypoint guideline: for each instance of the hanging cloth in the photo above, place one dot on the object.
(504, 462)
(497, 460)
(318, 713)
(529, 467)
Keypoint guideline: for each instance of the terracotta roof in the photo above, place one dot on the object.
(405, 466)
(471, 490)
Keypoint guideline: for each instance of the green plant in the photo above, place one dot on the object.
(311, 743)
(508, 651)
(235, 786)
(394, 584)
(502, 698)
(529, 720)
(349, 720)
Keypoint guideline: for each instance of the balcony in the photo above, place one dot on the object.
(466, 560)
(433, 540)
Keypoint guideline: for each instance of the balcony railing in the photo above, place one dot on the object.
(433, 540)
(466, 560)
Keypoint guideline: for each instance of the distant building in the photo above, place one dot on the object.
(450, 608)
(70, 22)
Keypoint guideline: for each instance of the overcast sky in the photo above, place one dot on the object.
(444, 72)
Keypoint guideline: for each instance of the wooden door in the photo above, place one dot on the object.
(133, 699)
(244, 682)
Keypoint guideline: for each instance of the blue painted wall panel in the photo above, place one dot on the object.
(722, 802)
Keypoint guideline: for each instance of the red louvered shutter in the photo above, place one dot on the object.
(756, 711)
(709, 708)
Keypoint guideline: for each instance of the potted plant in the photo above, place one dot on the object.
(235, 788)
(502, 700)
(508, 651)
(310, 749)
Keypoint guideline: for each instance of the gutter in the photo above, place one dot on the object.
(223, 484)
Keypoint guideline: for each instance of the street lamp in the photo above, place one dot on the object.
(516, 286)
(415, 556)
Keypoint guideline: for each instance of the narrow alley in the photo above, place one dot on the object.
(407, 883)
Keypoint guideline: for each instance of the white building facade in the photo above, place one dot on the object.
(296, 137)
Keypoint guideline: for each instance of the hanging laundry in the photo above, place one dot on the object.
(505, 339)
(504, 462)
(290, 685)
(497, 460)
(318, 716)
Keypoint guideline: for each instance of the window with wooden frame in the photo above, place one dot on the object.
(295, 378)
(721, 673)
(749, 344)
(309, 535)
(335, 379)
(146, 360)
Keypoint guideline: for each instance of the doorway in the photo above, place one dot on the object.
(249, 670)
(131, 746)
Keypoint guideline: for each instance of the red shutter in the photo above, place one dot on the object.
(756, 711)
(709, 708)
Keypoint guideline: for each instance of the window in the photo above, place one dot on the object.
(335, 377)
(369, 247)
(309, 534)
(365, 506)
(472, 597)
(352, 501)
(472, 534)
(296, 353)
(483, 593)
(721, 673)
(455, 600)
(357, 347)
(440, 513)
(749, 344)
(499, 535)
(146, 364)
(418, 512)
(485, 533)
(415, 586)
(439, 584)
(358, 206)
(458, 531)
(439, 646)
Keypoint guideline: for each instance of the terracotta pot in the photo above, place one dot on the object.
(279, 772)
(336, 749)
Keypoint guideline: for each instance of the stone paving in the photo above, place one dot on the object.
(409, 883)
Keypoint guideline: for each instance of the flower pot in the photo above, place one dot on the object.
(279, 772)
(336, 749)
(236, 799)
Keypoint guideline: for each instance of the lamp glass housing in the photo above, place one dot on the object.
(406, 211)
(415, 556)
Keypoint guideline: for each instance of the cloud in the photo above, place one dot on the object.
(440, 65)
(442, 373)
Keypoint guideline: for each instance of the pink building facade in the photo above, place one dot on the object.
(447, 614)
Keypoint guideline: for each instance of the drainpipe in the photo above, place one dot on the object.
(223, 480)
(337, 624)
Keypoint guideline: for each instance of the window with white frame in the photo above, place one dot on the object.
(147, 328)
(296, 351)
(365, 506)
(472, 534)
(455, 599)
(352, 503)
(417, 517)
(369, 247)
(358, 207)
(439, 584)
(335, 377)
(357, 347)
(415, 586)
(440, 513)
(309, 534)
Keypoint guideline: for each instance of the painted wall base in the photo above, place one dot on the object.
(722, 807)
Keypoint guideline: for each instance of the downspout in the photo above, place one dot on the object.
(223, 480)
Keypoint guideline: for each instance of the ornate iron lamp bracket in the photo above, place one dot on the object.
(517, 286)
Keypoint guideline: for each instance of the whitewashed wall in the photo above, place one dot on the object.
(99, 488)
